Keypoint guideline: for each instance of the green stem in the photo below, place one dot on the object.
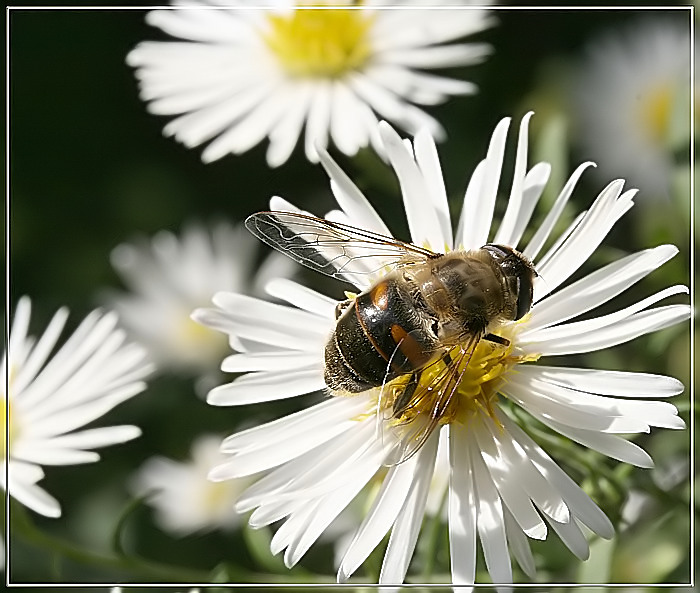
(23, 526)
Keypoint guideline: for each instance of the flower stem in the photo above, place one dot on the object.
(23, 526)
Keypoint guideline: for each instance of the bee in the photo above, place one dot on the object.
(423, 305)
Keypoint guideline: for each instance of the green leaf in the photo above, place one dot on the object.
(597, 568)
(258, 543)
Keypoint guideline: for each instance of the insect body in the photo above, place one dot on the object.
(423, 305)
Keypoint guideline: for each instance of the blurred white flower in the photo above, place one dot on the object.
(239, 74)
(185, 501)
(631, 100)
(47, 401)
(170, 276)
(502, 484)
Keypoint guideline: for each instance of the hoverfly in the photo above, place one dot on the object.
(422, 306)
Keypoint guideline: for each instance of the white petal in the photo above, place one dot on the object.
(442, 56)
(318, 120)
(505, 233)
(607, 444)
(329, 509)
(260, 459)
(570, 533)
(20, 326)
(404, 534)
(535, 181)
(422, 219)
(42, 454)
(540, 237)
(577, 499)
(302, 297)
(489, 520)
(462, 236)
(251, 129)
(284, 136)
(87, 338)
(462, 508)
(378, 95)
(607, 209)
(61, 419)
(617, 383)
(518, 545)
(199, 126)
(522, 471)
(429, 163)
(316, 472)
(385, 509)
(95, 437)
(35, 498)
(206, 25)
(266, 386)
(295, 426)
(407, 28)
(509, 487)
(609, 414)
(36, 359)
(285, 360)
(292, 526)
(477, 210)
(346, 134)
(628, 329)
(598, 287)
(350, 199)
(545, 402)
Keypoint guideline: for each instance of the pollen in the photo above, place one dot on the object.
(7, 418)
(655, 110)
(321, 43)
(473, 382)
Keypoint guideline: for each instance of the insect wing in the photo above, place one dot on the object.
(332, 248)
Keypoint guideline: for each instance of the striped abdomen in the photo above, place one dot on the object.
(379, 337)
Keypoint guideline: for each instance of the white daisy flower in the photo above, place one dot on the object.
(238, 74)
(502, 485)
(169, 276)
(631, 100)
(184, 499)
(48, 401)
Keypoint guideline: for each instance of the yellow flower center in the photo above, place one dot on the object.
(476, 384)
(218, 496)
(324, 43)
(8, 419)
(198, 341)
(655, 111)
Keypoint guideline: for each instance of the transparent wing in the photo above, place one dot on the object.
(332, 248)
(419, 425)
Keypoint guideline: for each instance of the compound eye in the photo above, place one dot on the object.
(524, 297)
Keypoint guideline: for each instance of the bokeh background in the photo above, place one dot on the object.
(90, 169)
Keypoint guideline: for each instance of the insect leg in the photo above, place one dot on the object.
(497, 339)
(341, 307)
(403, 400)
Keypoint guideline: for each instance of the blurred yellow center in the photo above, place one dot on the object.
(7, 422)
(217, 496)
(9, 419)
(320, 42)
(193, 335)
(655, 111)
